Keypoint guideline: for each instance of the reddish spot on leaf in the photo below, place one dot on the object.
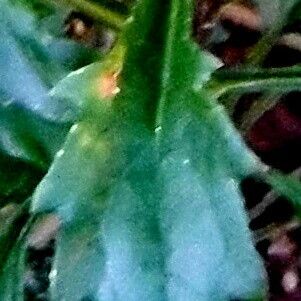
(108, 85)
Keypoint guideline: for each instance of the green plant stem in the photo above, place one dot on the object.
(273, 82)
(286, 185)
(259, 106)
(281, 85)
(97, 12)
(270, 231)
(240, 81)
(249, 73)
(256, 58)
(269, 198)
(259, 52)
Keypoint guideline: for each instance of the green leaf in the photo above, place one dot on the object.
(39, 61)
(17, 180)
(13, 217)
(11, 276)
(33, 125)
(26, 136)
(13, 272)
(28, 144)
(147, 182)
(74, 87)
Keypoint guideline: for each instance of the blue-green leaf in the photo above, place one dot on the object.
(149, 177)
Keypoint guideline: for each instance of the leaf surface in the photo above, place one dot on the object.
(33, 125)
(149, 178)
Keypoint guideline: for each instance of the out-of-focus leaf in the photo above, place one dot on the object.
(12, 219)
(28, 144)
(40, 8)
(28, 137)
(13, 272)
(296, 13)
(31, 62)
(17, 179)
(147, 183)
(11, 277)
(33, 124)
